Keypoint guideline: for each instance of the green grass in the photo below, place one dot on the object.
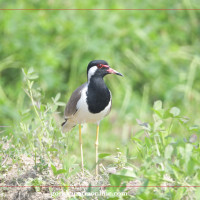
(144, 140)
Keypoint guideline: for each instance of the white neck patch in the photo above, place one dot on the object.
(91, 72)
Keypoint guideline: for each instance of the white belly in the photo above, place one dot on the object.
(84, 116)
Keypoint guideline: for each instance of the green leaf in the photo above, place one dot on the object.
(30, 70)
(103, 155)
(183, 120)
(124, 175)
(57, 97)
(116, 180)
(168, 151)
(31, 84)
(52, 149)
(23, 71)
(157, 105)
(148, 142)
(54, 169)
(57, 172)
(33, 76)
(188, 151)
(60, 103)
(179, 194)
(175, 111)
(24, 112)
(158, 124)
(126, 172)
(194, 128)
(61, 171)
(166, 114)
(190, 167)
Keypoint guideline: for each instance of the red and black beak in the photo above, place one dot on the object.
(112, 71)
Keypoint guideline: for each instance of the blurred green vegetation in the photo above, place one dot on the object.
(158, 52)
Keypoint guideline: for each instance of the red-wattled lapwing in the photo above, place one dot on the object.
(91, 102)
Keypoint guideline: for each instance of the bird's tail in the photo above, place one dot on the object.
(67, 125)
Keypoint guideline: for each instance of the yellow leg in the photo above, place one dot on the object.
(96, 145)
(81, 147)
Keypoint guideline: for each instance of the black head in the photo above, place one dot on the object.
(100, 68)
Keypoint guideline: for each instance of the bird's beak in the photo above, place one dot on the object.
(112, 71)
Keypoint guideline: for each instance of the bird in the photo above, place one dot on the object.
(90, 102)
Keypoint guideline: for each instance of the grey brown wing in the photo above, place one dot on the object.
(71, 107)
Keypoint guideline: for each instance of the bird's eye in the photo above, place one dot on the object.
(100, 66)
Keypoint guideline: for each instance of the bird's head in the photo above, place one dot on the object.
(100, 68)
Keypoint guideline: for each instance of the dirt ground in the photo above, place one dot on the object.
(19, 188)
(17, 181)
